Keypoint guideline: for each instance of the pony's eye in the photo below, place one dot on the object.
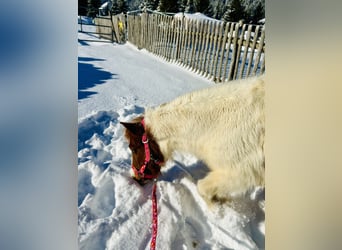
(133, 149)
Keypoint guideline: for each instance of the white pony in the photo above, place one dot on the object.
(223, 125)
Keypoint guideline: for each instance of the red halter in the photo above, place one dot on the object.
(141, 171)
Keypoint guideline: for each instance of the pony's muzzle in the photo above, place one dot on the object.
(140, 180)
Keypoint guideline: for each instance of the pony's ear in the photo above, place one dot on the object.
(135, 128)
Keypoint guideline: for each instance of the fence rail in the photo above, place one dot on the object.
(218, 50)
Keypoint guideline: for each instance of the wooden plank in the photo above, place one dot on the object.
(209, 47)
(213, 49)
(122, 18)
(131, 29)
(177, 41)
(251, 56)
(155, 35)
(159, 31)
(257, 60)
(234, 53)
(207, 41)
(143, 29)
(138, 30)
(220, 77)
(191, 41)
(203, 46)
(198, 45)
(183, 30)
(188, 42)
(147, 32)
(228, 53)
(134, 33)
(238, 53)
(174, 39)
(217, 51)
(184, 37)
(169, 45)
(246, 48)
(164, 35)
(150, 32)
(194, 38)
(115, 28)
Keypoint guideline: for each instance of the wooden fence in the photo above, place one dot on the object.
(111, 28)
(218, 50)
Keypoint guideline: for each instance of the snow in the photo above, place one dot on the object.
(116, 83)
(195, 16)
(85, 20)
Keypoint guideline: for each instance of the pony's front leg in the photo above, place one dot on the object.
(221, 185)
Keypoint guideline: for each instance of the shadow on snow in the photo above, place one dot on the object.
(90, 76)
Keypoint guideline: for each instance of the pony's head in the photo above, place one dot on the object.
(146, 156)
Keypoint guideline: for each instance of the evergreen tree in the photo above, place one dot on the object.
(149, 4)
(168, 6)
(115, 8)
(235, 12)
(119, 6)
(123, 7)
(202, 6)
(182, 5)
(190, 7)
(257, 13)
(93, 7)
(82, 7)
(217, 9)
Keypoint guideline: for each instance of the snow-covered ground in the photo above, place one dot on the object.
(116, 82)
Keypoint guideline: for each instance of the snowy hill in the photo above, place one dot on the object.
(116, 83)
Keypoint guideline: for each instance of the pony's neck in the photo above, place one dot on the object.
(166, 128)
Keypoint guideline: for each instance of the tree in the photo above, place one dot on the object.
(82, 7)
(193, 6)
(149, 4)
(257, 12)
(123, 7)
(93, 7)
(235, 12)
(202, 6)
(182, 5)
(119, 6)
(115, 8)
(217, 9)
(168, 6)
(190, 7)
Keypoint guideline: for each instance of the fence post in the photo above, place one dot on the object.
(235, 55)
(111, 20)
(81, 23)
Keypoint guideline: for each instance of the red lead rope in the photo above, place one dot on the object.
(154, 217)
